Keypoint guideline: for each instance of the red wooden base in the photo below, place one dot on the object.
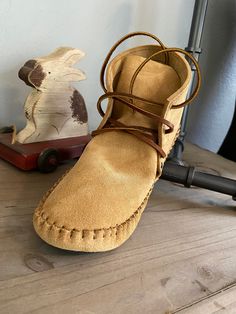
(25, 156)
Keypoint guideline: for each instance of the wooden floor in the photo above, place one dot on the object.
(181, 258)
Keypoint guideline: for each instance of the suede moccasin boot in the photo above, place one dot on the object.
(97, 205)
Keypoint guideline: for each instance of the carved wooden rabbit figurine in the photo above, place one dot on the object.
(54, 109)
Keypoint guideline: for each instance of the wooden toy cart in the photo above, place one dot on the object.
(44, 156)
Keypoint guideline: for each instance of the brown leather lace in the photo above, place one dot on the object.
(148, 135)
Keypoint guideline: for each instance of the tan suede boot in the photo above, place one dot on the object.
(97, 205)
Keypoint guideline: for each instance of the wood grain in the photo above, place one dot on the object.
(181, 258)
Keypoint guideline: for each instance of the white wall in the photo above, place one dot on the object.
(34, 28)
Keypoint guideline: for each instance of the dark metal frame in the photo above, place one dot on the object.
(174, 169)
(189, 176)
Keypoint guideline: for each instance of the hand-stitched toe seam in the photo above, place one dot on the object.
(39, 211)
(83, 232)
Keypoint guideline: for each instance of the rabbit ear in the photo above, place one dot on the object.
(69, 74)
(67, 55)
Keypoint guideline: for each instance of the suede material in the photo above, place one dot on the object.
(87, 240)
(107, 184)
(154, 89)
(98, 204)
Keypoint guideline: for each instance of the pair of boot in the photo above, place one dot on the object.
(97, 205)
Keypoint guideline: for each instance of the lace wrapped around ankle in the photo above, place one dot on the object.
(148, 135)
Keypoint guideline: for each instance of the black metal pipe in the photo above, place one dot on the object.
(188, 176)
(196, 30)
(194, 41)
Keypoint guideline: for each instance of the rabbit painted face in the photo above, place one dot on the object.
(53, 70)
